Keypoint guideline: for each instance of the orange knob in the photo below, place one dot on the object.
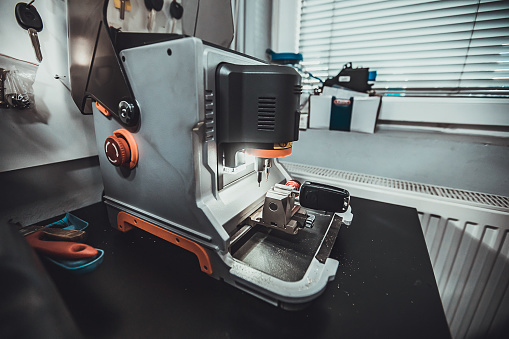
(117, 151)
(121, 149)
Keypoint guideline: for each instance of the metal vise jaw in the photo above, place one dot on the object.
(281, 212)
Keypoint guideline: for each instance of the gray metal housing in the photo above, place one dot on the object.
(174, 184)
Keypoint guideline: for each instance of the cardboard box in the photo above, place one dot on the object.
(319, 111)
(342, 93)
(364, 114)
(303, 123)
(360, 115)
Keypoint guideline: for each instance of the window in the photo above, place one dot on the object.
(417, 47)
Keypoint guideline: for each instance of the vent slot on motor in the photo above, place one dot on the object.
(266, 113)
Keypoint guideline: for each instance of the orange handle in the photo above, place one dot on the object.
(60, 249)
(126, 221)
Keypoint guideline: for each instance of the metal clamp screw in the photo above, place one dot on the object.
(125, 111)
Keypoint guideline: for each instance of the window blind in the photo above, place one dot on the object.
(416, 46)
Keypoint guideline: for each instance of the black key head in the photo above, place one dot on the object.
(176, 10)
(156, 5)
(27, 16)
(324, 198)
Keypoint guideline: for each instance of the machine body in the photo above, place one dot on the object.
(187, 169)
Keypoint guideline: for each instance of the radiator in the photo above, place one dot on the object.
(467, 235)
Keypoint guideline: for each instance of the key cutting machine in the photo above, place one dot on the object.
(188, 135)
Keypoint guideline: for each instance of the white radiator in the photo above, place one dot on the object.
(467, 235)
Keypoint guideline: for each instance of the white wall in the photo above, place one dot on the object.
(257, 37)
(55, 130)
(285, 26)
(47, 153)
(252, 34)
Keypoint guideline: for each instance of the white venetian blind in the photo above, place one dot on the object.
(416, 46)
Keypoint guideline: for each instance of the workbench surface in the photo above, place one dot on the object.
(148, 288)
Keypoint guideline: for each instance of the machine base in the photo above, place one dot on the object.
(282, 269)
(284, 256)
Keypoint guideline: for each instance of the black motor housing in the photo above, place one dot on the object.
(257, 103)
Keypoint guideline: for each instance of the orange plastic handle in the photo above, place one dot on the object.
(126, 221)
(60, 249)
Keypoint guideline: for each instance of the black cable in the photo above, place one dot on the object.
(196, 19)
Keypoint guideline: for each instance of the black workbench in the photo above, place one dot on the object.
(148, 288)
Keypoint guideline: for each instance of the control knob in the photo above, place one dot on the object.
(121, 149)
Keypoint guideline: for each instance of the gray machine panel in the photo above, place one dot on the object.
(168, 92)
(175, 173)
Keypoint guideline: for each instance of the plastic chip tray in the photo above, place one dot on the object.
(82, 265)
(69, 222)
(72, 222)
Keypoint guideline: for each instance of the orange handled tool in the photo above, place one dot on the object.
(60, 249)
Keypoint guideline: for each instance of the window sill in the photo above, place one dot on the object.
(474, 136)
(482, 112)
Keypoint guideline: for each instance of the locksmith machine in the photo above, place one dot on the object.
(188, 135)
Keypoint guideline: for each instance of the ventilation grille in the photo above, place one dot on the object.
(209, 115)
(266, 113)
(444, 192)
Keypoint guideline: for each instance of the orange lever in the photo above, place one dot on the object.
(60, 249)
